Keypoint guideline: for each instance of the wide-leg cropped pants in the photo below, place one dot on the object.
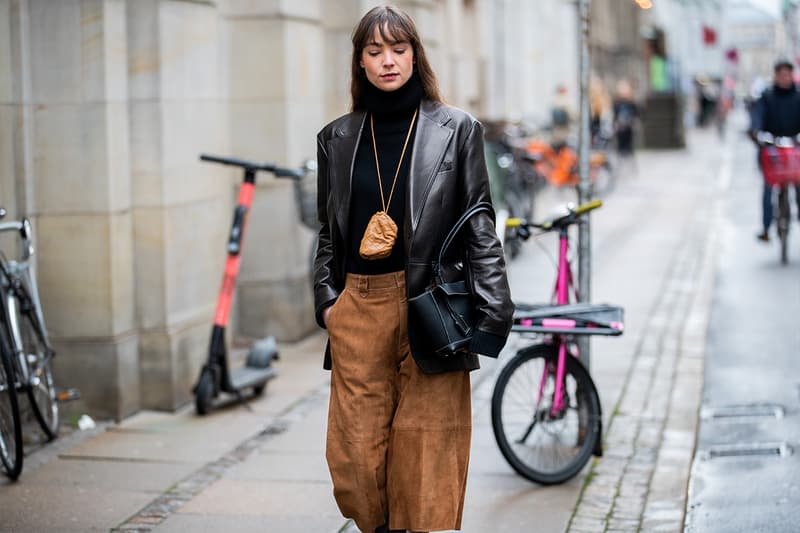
(398, 440)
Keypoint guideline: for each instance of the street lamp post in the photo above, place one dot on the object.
(584, 186)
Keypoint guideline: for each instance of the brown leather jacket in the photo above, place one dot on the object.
(447, 175)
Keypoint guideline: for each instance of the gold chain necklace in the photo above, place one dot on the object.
(381, 232)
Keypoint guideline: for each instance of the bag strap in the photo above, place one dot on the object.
(469, 213)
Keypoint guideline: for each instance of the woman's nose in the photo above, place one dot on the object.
(388, 58)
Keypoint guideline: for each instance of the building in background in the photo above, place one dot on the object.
(753, 40)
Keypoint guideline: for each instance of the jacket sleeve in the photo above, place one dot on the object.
(757, 116)
(484, 253)
(325, 292)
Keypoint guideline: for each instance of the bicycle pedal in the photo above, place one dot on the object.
(68, 395)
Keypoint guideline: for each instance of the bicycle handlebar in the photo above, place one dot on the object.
(558, 222)
(23, 227)
(765, 138)
(588, 206)
(279, 172)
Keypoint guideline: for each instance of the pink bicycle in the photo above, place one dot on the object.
(546, 412)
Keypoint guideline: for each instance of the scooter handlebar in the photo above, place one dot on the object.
(279, 172)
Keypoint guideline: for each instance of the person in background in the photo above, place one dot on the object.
(400, 422)
(600, 109)
(777, 112)
(561, 117)
(625, 114)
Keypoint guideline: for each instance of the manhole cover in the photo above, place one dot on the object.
(769, 410)
(748, 449)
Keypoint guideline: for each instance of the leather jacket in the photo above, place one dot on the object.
(447, 175)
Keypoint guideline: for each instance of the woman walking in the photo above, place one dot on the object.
(402, 162)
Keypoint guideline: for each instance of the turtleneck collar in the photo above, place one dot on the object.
(781, 90)
(388, 104)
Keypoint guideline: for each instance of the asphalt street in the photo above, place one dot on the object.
(746, 472)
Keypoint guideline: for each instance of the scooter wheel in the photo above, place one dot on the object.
(258, 390)
(204, 393)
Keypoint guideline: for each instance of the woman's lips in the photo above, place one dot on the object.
(389, 77)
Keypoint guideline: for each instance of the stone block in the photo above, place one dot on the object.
(77, 51)
(115, 51)
(280, 308)
(104, 369)
(7, 158)
(170, 361)
(56, 62)
(146, 148)
(336, 69)
(255, 53)
(194, 238)
(150, 270)
(304, 120)
(187, 60)
(6, 64)
(189, 128)
(81, 158)
(258, 130)
(142, 47)
(342, 15)
(180, 257)
(85, 274)
(310, 9)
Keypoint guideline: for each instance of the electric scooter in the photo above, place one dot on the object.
(216, 376)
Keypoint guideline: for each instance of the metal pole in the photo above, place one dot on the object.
(585, 185)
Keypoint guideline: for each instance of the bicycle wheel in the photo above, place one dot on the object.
(41, 387)
(542, 446)
(784, 217)
(10, 423)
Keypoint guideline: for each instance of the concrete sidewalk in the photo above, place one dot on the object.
(263, 468)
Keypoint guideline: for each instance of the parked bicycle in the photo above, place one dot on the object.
(24, 349)
(780, 164)
(546, 412)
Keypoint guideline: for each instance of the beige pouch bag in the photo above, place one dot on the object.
(379, 237)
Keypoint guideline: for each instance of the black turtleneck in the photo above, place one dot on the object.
(392, 113)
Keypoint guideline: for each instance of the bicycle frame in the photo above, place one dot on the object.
(563, 282)
(18, 286)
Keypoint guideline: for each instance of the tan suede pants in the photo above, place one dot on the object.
(398, 440)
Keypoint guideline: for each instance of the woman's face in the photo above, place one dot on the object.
(388, 65)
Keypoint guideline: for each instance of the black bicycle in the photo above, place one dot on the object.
(26, 351)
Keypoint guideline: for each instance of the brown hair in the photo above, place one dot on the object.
(395, 26)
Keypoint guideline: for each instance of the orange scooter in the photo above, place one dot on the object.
(216, 376)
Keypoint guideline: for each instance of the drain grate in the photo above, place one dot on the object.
(754, 410)
(749, 449)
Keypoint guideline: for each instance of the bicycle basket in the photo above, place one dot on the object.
(572, 319)
(780, 164)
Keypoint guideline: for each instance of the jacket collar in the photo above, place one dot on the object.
(430, 141)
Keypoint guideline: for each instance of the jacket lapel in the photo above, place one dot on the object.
(342, 154)
(430, 143)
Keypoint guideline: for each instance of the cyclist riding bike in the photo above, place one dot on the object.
(777, 112)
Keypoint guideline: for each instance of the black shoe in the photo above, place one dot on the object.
(763, 236)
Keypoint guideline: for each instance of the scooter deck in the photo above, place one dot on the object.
(247, 376)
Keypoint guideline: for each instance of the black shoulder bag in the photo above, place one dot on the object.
(444, 314)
